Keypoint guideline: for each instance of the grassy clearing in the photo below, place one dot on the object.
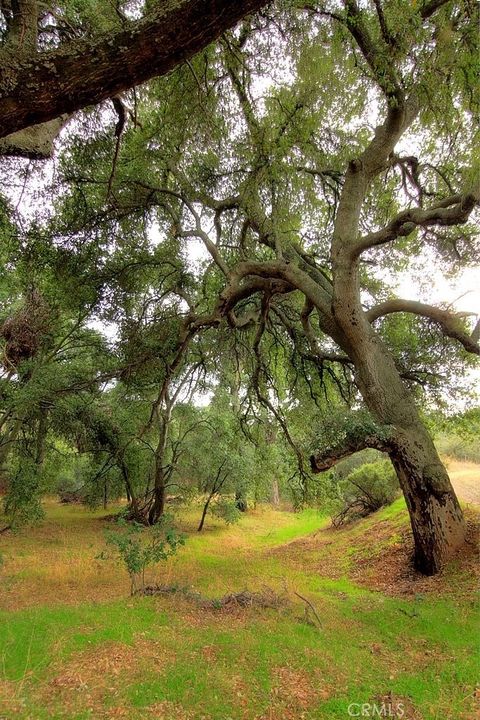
(73, 645)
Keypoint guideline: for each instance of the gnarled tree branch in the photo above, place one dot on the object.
(449, 322)
(454, 210)
(326, 459)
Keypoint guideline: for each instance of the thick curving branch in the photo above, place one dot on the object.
(454, 210)
(373, 52)
(450, 323)
(326, 459)
(84, 72)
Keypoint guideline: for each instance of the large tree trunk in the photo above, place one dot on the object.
(81, 72)
(435, 515)
(437, 521)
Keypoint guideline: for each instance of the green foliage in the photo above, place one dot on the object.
(458, 447)
(356, 493)
(343, 425)
(457, 435)
(139, 549)
(21, 504)
(377, 482)
(226, 510)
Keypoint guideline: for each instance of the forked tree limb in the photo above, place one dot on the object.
(454, 210)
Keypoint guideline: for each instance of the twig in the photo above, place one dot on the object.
(305, 600)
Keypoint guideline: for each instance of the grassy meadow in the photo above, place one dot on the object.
(353, 624)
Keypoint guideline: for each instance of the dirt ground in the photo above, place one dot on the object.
(465, 477)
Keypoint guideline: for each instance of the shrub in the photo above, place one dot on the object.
(365, 490)
(227, 510)
(139, 548)
(458, 447)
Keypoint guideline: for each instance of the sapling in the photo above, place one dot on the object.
(139, 548)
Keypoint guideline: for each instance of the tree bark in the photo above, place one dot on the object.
(131, 497)
(159, 484)
(436, 517)
(85, 72)
(204, 512)
(158, 506)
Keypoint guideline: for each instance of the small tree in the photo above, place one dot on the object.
(222, 507)
(139, 548)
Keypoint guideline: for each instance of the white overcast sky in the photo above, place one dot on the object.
(462, 292)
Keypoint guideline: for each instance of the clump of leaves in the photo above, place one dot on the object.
(22, 504)
(139, 548)
(26, 331)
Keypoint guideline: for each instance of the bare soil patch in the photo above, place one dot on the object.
(465, 477)
(391, 570)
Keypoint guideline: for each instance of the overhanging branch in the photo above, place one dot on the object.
(34, 143)
(454, 210)
(328, 458)
(449, 323)
(85, 72)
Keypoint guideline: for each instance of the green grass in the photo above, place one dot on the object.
(165, 657)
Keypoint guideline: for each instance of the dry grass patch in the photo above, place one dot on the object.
(294, 688)
(10, 699)
(320, 553)
(396, 706)
(294, 694)
(84, 681)
(166, 710)
(54, 562)
(465, 477)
